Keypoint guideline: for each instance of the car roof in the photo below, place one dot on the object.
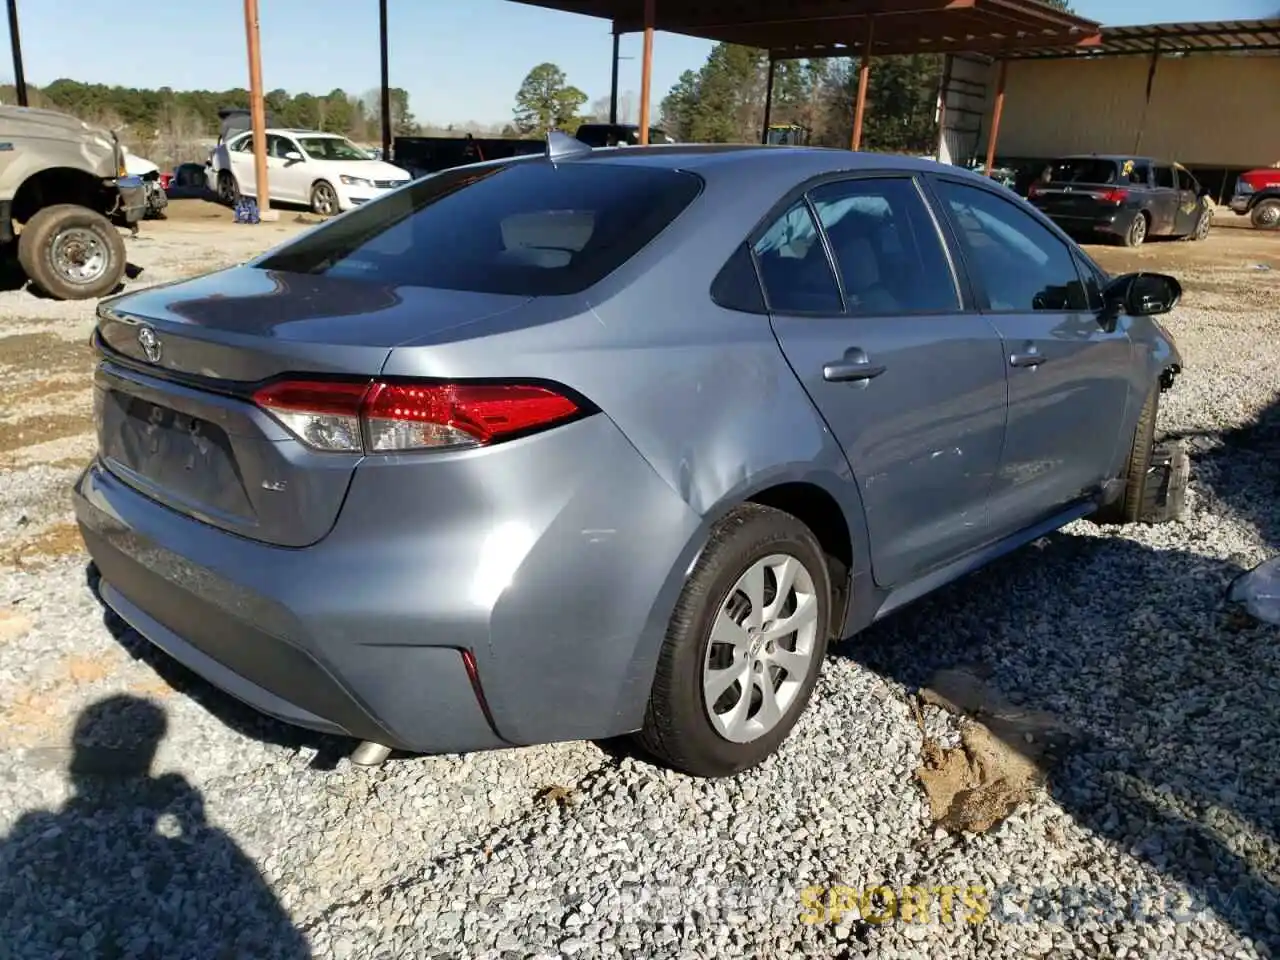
(1113, 157)
(709, 158)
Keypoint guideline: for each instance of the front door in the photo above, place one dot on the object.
(1189, 207)
(1164, 201)
(1068, 376)
(910, 384)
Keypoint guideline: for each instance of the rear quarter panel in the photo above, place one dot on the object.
(703, 394)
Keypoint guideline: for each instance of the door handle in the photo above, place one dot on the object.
(853, 366)
(1031, 358)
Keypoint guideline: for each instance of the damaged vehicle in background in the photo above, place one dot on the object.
(1257, 196)
(153, 181)
(1123, 199)
(66, 186)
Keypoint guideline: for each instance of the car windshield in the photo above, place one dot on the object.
(332, 148)
(524, 227)
(1086, 170)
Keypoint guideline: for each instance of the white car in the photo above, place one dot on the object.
(325, 171)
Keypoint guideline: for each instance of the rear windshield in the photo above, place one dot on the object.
(1087, 170)
(526, 227)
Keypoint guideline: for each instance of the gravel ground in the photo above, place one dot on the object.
(184, 825)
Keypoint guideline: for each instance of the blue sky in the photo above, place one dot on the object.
(460, 60)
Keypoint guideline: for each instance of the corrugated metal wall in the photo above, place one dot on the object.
(1206, 110)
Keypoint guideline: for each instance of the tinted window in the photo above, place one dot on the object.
(1019, 262)
(1094, 281)
(793, 265)
(887, 249)
(737, 287)
(1164, 176)
(1084, 170)
(529, 228)
(1185, 180)
(278, 146)
(1140, 173)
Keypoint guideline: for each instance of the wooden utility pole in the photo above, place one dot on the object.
(996, 113)
(19, 77)
(864, 74)
(646, 71)
(257, 110)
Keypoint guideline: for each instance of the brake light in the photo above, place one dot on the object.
(1115, 195)
(382, 417)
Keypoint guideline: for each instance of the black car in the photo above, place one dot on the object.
(1125, 199)
(617, 134)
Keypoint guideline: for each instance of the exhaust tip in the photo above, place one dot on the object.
(370, 754)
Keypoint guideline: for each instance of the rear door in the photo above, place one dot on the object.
(1068, 377)
(1164, 200)
(910, 382)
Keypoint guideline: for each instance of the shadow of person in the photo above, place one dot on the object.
(129, 866)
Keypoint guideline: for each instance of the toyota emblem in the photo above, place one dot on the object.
(150, 344)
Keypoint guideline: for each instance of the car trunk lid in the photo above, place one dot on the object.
(173, 397)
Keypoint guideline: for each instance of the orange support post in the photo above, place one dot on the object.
(646, 71)
(864, 75)
(257, 110)
(996, 112)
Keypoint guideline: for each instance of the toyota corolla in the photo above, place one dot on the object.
(607, 442)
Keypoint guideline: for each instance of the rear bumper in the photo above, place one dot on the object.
(558, 586)
(1111, 224)
(250, 645)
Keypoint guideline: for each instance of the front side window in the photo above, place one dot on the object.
(524, 227)
(332, 148)
(886, 246)
(1019, 262)
(1164, 177)
(793, 265)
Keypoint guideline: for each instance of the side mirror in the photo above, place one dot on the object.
(293, 156)
(1141, 295)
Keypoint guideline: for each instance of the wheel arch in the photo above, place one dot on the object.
(57, 185)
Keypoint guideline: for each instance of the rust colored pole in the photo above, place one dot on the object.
(646, 71)
(257, 110)
(996, 112)
(864, 75)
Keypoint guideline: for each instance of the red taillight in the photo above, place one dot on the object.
(383, 417)
(1116, 195)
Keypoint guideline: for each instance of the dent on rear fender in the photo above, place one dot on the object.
(576, 627)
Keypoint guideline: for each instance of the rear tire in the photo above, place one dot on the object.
(720, 639)
(71, 252)
(1266, 215)
(1137, 232)
(1133, 506)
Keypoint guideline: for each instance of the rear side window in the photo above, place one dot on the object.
(885, 244)
(527, 228)
(794, 267)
